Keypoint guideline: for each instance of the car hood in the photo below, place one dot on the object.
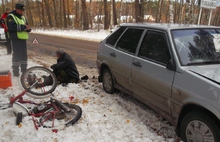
(211, 72)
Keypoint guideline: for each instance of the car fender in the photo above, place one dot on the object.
(210, 106)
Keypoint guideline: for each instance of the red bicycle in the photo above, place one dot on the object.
(40, 82)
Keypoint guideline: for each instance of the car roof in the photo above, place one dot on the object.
(166, 26)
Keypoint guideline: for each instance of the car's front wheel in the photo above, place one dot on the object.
(199, 127)
(107, 81)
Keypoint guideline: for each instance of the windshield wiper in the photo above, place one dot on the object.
(203, 63)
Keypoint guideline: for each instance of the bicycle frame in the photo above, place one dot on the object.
(18, 101)
(19, 97)
(51, 113)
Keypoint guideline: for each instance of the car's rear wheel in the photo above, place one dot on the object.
(199, 127)
(107, 81)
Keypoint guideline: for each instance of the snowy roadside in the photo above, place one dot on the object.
(106, 118)
(88, 35)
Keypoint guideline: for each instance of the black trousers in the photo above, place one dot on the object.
(8, 43)
(19, 56)
(63, 77)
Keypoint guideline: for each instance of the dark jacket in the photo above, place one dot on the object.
(66, 63)
(12, 26)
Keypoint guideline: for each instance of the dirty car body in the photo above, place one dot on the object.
(172, 68)
(2, 36)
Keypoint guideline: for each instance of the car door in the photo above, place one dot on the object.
(150, 78)
(123, 54)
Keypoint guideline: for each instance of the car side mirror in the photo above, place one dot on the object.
(171, 65)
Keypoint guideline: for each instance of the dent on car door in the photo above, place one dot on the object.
(123, 56)
(151, 80)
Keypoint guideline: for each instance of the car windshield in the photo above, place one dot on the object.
(197, 46)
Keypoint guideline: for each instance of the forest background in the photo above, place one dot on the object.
(105, 14)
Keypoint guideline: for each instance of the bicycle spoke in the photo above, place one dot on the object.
(60, 119)
(38, 81)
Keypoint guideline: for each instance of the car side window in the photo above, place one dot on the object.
(114, 37)
(129, 40)
(154, 47)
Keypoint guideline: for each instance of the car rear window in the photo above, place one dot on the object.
(129, 41)
(114, 37)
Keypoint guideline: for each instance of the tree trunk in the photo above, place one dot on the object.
(106, 21)
(77, 13)
(64, 14)
(114, 13)
(142, 10)
(91, 13)
(43, 15)
(181, 12)
(99, 13)
(161, 9)
(137, 11)
(12, 4)
(187, 13)
(216, 19)
(68, 13)
(176, 11)
(3, 6)
(55, 13)
(195, 9)
(61, 13)
(40, 14)
(171, 11)
(158, 12)
(30, 15)
(46, 2)
(85, 16)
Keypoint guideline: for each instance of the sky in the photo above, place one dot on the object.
(105, 118)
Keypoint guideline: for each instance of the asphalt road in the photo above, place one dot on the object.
(83, 52)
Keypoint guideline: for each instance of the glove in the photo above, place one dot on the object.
(27, 30)
(53, 66)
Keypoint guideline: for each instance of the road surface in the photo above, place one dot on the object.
(83, 52)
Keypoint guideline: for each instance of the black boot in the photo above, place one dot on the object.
(23, 67)
(15, 70)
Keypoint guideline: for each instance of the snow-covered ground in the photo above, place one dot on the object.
(106, 117)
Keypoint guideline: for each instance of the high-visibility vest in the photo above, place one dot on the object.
(20, 34)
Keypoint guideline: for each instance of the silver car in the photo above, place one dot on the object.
(2, 36)
(174, 69)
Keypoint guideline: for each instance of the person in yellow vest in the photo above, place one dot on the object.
(18, 30)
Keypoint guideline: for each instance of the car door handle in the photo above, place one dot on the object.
(137, 64)
(113, 54)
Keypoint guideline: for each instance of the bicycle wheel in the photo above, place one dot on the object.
(61, 119)
(38, 81)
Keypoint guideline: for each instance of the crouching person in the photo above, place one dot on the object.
(65, 68)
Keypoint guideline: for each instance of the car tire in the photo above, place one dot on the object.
(198, 126)
(107, 81)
